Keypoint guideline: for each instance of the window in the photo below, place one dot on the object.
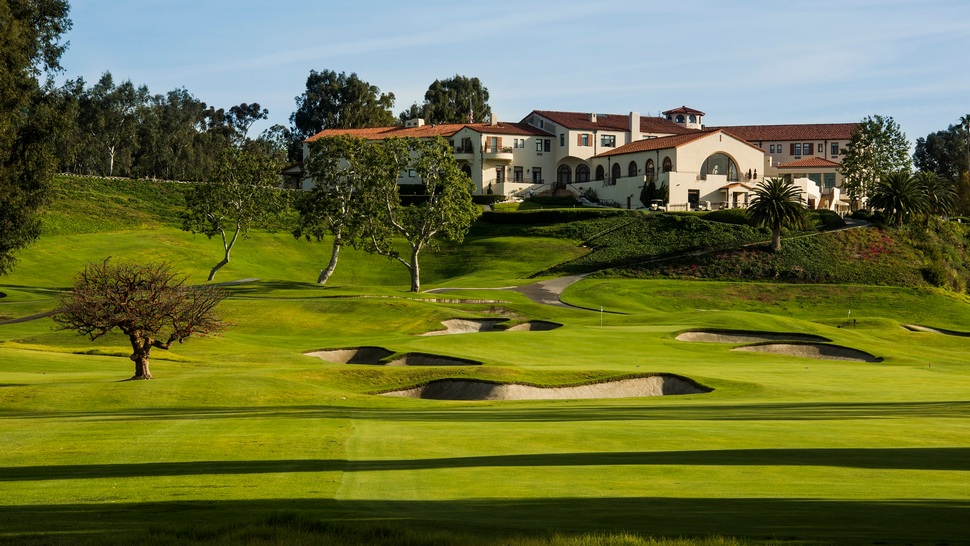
(517, 174)
(537, 175)
(668, 165)
(547, 145)
(631, 170)
(562, 139)
(649, 168)
(615, 173)
(680, 118)
(815, 177)
(600, 173)
(828, 180)
(797, 150)
(608, 141)
(693, 118)
(719, 164)
(539, 145)
(821, 148)
(411, 173)
(835, 149)
(771, 149)
(584, 139)
(807, 148)
(582, 174)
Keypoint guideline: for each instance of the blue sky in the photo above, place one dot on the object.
(741, 62)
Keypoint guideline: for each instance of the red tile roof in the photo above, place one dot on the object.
(674, 141)
(811, 131)
(428, 131)
(684, 110)
(610, 122)
(809, 163)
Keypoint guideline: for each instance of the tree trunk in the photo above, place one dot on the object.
(228, 248)
(776, 239)
(415, 271)
(140, 357)
(325, 274)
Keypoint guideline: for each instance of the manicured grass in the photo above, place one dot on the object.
(242, 439)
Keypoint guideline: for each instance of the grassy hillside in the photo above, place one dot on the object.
(244, 439)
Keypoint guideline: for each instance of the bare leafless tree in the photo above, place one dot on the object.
(149, 303)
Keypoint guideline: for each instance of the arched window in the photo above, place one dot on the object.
(680, 118)
(649, 167)
(632, 169)
(467, 170)
(693, 118)
(582, 173)
(564, 176)
(616, 173)
(668, 165)
(600, 173)
(720, 164)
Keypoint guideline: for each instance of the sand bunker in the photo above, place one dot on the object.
(423, 359)
(379, 356)
(353, 355)
(534, 326)
(918, 328)
(743, 336)
(467, 326)
(812, 350)
(461, 389)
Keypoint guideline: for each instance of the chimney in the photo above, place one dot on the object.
(634, 126)
(592, 118)
(493, 119)
(415, 122)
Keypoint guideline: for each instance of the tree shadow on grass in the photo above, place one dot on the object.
(537, 412)
(935, 458)
(922, 521)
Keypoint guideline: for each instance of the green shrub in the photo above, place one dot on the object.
(487, 199)
(728, 216)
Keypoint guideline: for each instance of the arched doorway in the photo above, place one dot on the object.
(616, 173)
(564, 176)
(600, 173)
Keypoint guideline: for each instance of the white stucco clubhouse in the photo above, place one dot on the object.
(614, 155)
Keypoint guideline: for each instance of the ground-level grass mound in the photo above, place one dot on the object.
(822, 351)
(465, 389)
(379, 356)
(744, 336)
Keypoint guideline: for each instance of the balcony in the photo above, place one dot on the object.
(503, 154)
(464, 153)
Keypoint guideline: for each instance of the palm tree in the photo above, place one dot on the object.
(899, 195)
(777, 203)
(939, 193)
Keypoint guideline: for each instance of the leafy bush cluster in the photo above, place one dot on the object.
(862, 256)
(652, 236)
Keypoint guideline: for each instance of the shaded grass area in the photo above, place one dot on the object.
(620, 521)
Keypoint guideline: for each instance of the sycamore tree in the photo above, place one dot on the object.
(444, 211)
(243, 192)
(877, 148)
(29, 120)
(149, 303)
(342, 202)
